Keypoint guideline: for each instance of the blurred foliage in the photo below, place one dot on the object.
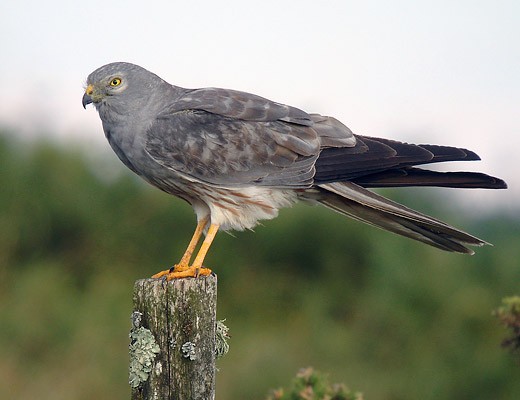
(509, 316)
(393, 318)
(313, 385)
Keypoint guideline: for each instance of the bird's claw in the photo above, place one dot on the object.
(182, 271)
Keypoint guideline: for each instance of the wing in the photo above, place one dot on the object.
(227, 137)
(220, 150)
(233, 138)
(377, 162)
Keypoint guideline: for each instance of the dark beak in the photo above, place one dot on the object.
(86, 100)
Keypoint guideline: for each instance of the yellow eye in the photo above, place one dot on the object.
(115, 82)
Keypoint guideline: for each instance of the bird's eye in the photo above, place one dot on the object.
(115, 82)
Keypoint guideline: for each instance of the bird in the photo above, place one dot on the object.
(238, 158)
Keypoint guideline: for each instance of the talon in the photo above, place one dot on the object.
(190, 272)
(167, 272)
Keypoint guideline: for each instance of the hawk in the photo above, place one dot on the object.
(238, 158)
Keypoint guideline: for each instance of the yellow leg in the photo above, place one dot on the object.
(206, 244)
(183, 269)
(185, 260)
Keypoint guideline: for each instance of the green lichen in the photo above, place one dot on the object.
(221, 344)
(143, 350)
(188, 351)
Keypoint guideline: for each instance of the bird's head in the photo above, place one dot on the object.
(121, 86)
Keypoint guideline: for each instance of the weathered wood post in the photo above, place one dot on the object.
(172, 349)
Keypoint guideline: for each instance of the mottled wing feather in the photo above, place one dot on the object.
(232, 152)
(249, 107)
(238, 105)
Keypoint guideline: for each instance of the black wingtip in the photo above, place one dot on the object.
(500, 184)
(471, 156)
(402, 177)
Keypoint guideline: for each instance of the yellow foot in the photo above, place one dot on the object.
(180, 271)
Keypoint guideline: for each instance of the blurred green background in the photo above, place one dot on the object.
(389, 317)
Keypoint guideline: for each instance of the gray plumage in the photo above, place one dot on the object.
(237, 157)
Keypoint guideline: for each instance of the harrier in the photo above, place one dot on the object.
(238, 158)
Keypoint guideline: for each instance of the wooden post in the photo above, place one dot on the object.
(172, 346)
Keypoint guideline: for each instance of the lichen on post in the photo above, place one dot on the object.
(180, 316)
(143, 349)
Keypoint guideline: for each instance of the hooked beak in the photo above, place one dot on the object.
(87, 99)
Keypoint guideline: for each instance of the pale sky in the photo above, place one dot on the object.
(445, 72)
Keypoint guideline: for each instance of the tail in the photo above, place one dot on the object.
(359, 203)
(343, 173)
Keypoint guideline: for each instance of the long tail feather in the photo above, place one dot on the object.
(400, 177)
(361, 204)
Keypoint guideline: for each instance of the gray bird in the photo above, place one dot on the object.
(238, 158)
